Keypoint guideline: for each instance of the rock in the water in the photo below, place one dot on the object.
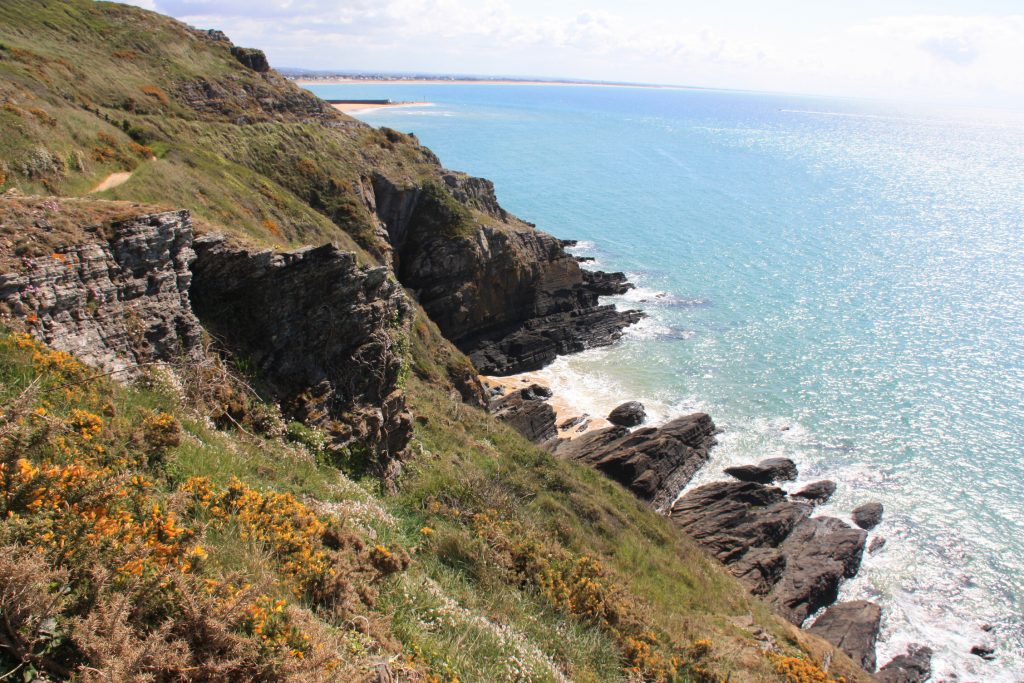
(528, 413)
(913, 667)
(606, 284)
(820, 553)
(629, 414)
(655, 463)
(986, 652)
(853, 628)
(868, 515)
(877, 543)
(768, 541)
(765, 472)
(816, 493)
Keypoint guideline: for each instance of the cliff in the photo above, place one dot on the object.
(308, 489)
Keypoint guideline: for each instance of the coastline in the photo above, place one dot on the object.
(343, 80)
(564, 408)
(358, 108)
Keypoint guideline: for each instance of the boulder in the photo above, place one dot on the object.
(655, 463)
(765, 472)
(527, 411)
(816, 493)
(853, 628)
(877, 543)
(986, 652)
(629, 414)
(913, 667)
(606, 284)
(868, 515)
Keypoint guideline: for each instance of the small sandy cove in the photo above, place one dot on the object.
(563, 409)
(360, 107)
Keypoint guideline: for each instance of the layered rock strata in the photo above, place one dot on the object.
(655, 463)
(853, 628)
(117, 299)
(322, 334)
(772, 544)
(528, 412)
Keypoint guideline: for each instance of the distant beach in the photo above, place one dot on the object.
(361, 107)
(346, 80)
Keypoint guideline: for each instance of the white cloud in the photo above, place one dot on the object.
(968, 58)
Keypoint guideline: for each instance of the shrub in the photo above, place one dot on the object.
(156, 93)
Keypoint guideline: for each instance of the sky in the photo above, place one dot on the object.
(952, 51)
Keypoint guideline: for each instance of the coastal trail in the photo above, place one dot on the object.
(111, 181)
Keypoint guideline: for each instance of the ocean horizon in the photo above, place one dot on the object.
(836, 281)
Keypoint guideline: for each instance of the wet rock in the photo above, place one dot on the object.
(629, 414)
(527, 411)
(655, 463)
(769, 541)
(820, 553)
(868, 515)
(853, 628)
(913, 667)
(986, 652)
(816, 493)
(765, 472)
(606, 284)
(576, 421)
(877, 543)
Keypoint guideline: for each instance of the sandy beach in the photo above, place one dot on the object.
(357, 107)
(564, 410)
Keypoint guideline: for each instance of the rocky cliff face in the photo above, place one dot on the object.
(117, 299)
(507, 294)
(323, 335)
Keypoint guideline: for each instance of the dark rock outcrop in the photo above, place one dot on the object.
(772, 544)
(868, 515)
(606, 284)
(251, 58)
(853, 628)
(629, 414)
(116, 300)
(986, 652)
(655, 463)
(508, 295)
(816, 493)
(527, 411)
(765, 472)
(321, 333)
(913, 667)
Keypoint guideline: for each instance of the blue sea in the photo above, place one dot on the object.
(836, 281)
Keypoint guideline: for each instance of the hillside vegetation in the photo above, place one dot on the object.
(146, 538)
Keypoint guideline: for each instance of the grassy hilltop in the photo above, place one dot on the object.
(143, 538)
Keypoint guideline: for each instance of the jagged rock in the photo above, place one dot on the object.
(986, 652)
(655, 463)
(913, 667)
(765, 472)
(118, 298)
(816, 493)
(629, 414)
(868, 515)
(527, 411)
(769, 541)
(820, 552)
(853, 628)
(575, 421)
(607, 284)
(508, 295)
(585, 259)
(321, 333)
(251, 58)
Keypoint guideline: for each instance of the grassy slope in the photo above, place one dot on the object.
(506, 525)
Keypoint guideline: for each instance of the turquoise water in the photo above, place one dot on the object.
(838, 282)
